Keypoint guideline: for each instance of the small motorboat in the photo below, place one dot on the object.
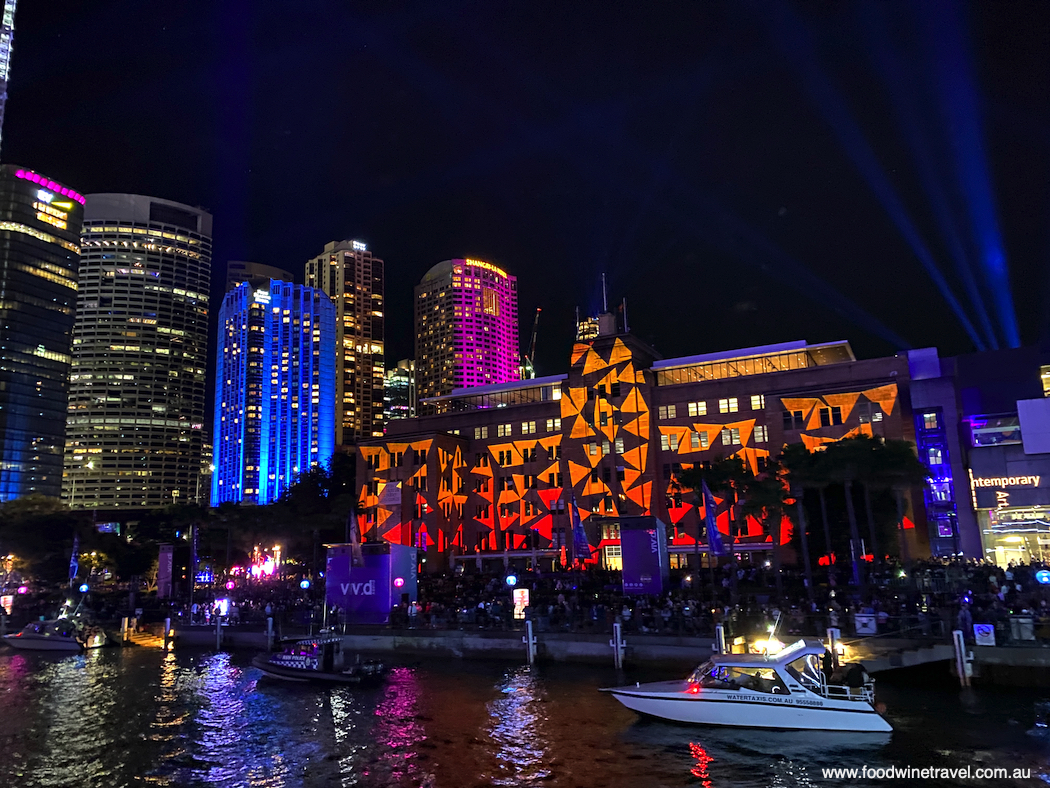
(787, 690)
(318, 659)
(61, 634)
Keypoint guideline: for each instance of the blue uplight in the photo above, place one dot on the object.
(84, 588)
(512, 580)
(304, 584)
(1043, 576)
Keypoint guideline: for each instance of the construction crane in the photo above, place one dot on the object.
(528, 369)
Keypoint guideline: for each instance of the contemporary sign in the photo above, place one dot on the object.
(1006, 481)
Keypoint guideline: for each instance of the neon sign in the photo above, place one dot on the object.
(486, 266)
(65, 191)
(1006, 481)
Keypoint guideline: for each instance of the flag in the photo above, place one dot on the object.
(74, 563)
(714, 538)
(194, 528)
(581, 548)
(357, 558)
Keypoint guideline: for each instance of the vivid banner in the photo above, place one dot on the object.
(164, 560)
(644, 553)
(367, 593)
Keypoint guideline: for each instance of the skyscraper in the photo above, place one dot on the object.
(39, 252)
(137, 387)
(354, 280)
(400, 391)
(238, 271)
(7, 35)
(274, 390)
(466, 327)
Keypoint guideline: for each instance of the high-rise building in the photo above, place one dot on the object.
(400, 390)
(39, 253)
(274, 390)
(137, 386)
(238, 271)
(7, 34)
(354, 280)
(466, 327)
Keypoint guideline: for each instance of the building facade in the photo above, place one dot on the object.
(39, 255)
(355, 282)
(399, 391)
(135, 426)
(496, 468)
(982, 425)
(466, 320)
(274, 390)
(238, 271)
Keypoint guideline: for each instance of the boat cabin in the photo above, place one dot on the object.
(320, 653)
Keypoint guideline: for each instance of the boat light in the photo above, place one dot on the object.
(694, 689)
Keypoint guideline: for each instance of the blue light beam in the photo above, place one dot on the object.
(792, 37)
(945, 31)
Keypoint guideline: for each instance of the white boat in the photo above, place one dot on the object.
(56, 635)
(787, 690)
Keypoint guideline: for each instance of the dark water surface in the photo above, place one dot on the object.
(127, 717)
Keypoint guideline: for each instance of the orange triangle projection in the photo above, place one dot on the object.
(885, 396)
(845, 401)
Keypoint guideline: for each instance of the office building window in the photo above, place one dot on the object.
(480, 433)
(794, 420)
(694, 440)
(830, 417)
(528, 428)
(665, 443)
(554, 425)
(929, 421)
(697, 408)
(731, 437)
(758, 402)
(761, 434)
(504, 430)
(667, 411)
(728, 405)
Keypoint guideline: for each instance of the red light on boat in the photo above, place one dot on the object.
(694, 689)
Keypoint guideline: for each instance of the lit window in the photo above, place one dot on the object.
(758, 402)
(697, 408)
(728, 405)
(761, 434)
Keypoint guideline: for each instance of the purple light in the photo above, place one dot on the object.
(23, 589)
(229, 585)
(65, 191)
(398, 582)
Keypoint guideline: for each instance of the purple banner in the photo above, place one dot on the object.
(362, 591)
(164, 560)
(643, 571)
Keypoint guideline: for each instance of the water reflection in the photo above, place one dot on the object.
(702, 759)
(517, 730)
(397, 732)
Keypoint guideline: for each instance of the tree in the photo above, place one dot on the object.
(728, 476)
(898, 469)
(766, 500)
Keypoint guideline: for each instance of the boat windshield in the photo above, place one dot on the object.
(735, 677)
(806, 671)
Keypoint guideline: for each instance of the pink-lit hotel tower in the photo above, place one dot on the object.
(466, 327)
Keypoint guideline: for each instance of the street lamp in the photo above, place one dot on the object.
(73, 487)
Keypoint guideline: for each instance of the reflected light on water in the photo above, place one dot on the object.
(701, 757)
(516, 729)
(397, 730)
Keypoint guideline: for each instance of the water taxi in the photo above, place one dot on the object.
(60, 634)
(319, 659)
(788, 690)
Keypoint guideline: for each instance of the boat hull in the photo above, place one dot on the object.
(674, 702)
(284, 673)
(45, 643)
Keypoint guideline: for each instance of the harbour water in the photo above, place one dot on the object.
(130, 717)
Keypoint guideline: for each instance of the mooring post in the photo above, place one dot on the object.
(269, 633)
(959, 642)
(218, 632)
(124, 630)
(619, 645)
(834, 635)
(168, 633)
(720, 638)
(530, 642)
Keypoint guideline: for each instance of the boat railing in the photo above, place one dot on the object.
(842, 692)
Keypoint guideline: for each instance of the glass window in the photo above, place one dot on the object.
(728, 405)
(758, 402)
(697, 408)
(929, 421)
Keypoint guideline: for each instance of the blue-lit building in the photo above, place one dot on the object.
(274, 389)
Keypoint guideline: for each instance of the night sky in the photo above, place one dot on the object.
(744, 172)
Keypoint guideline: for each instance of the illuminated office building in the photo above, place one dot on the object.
(466, 327)
(274, 390)
(7, 34)
(39, 253)
(354, 280)
(238, 271)
(135, 427)
(400, 390)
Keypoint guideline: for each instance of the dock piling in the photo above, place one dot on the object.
(619, 645)
(530, 642)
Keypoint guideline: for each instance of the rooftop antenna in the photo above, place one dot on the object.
(626, 330)
(605, 300)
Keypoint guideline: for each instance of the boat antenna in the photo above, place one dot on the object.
(773, 631)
